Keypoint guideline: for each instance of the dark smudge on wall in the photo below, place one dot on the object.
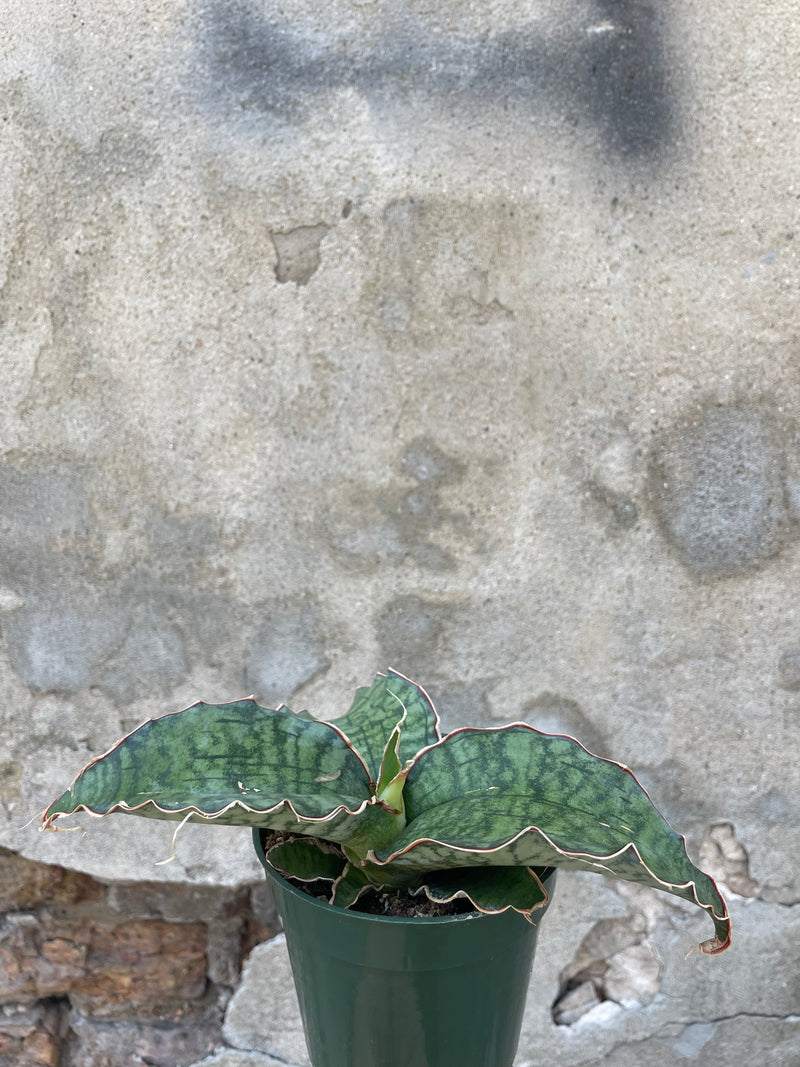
(605, 70)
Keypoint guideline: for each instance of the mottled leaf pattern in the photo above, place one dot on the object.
(473, 813)
(514, 796)
(376, 711)
(237, 764)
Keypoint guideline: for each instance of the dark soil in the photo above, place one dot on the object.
(400, 903)
(397, 903)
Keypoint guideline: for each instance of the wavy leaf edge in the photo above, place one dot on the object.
(712, 946)
(721, 918)
(48, 819)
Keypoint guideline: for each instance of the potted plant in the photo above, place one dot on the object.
(377, 807)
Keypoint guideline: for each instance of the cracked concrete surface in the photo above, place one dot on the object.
(615, 968)
(456, 338)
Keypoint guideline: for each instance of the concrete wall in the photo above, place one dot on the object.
(456, 337)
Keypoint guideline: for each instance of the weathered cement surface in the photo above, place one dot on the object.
(461, 338)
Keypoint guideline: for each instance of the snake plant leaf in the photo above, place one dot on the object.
(237, 764)
(350, 886)
(358, 877)
(377, 710)
(514, 796)
(306, 859)
(489, 889)
(390, 765)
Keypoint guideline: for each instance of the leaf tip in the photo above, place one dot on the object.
(715, 946)
(53, 812)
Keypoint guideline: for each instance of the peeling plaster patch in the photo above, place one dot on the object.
(615, 965)
(400, 528)
(442, 267)
(773, 806)
(409, 523)
(152, 657)
(612, 479)
(619, 508)
(44, 507)
(181, 538)
(66, 640)
(298, 253)
(413, 515)
(286, 652)
(421, 506)
(129, 621)
(366, 546)
(726, 860)
(693, 1040)
(717, 484)
(71, 211)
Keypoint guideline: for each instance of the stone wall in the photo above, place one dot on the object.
(95, 975)
(460, 338)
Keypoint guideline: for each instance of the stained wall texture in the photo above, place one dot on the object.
(458, 338)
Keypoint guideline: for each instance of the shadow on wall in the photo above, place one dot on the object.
(605, 68)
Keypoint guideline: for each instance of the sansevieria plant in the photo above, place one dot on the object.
(379, 798)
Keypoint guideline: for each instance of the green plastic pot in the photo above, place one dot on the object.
(390, 992)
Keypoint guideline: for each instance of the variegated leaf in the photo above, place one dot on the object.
(514, 796)
(237, 764)
(377, 710)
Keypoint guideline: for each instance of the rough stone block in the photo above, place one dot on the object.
(25, 884)
(94, 1043)
(138, 968)
(32, 1036)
